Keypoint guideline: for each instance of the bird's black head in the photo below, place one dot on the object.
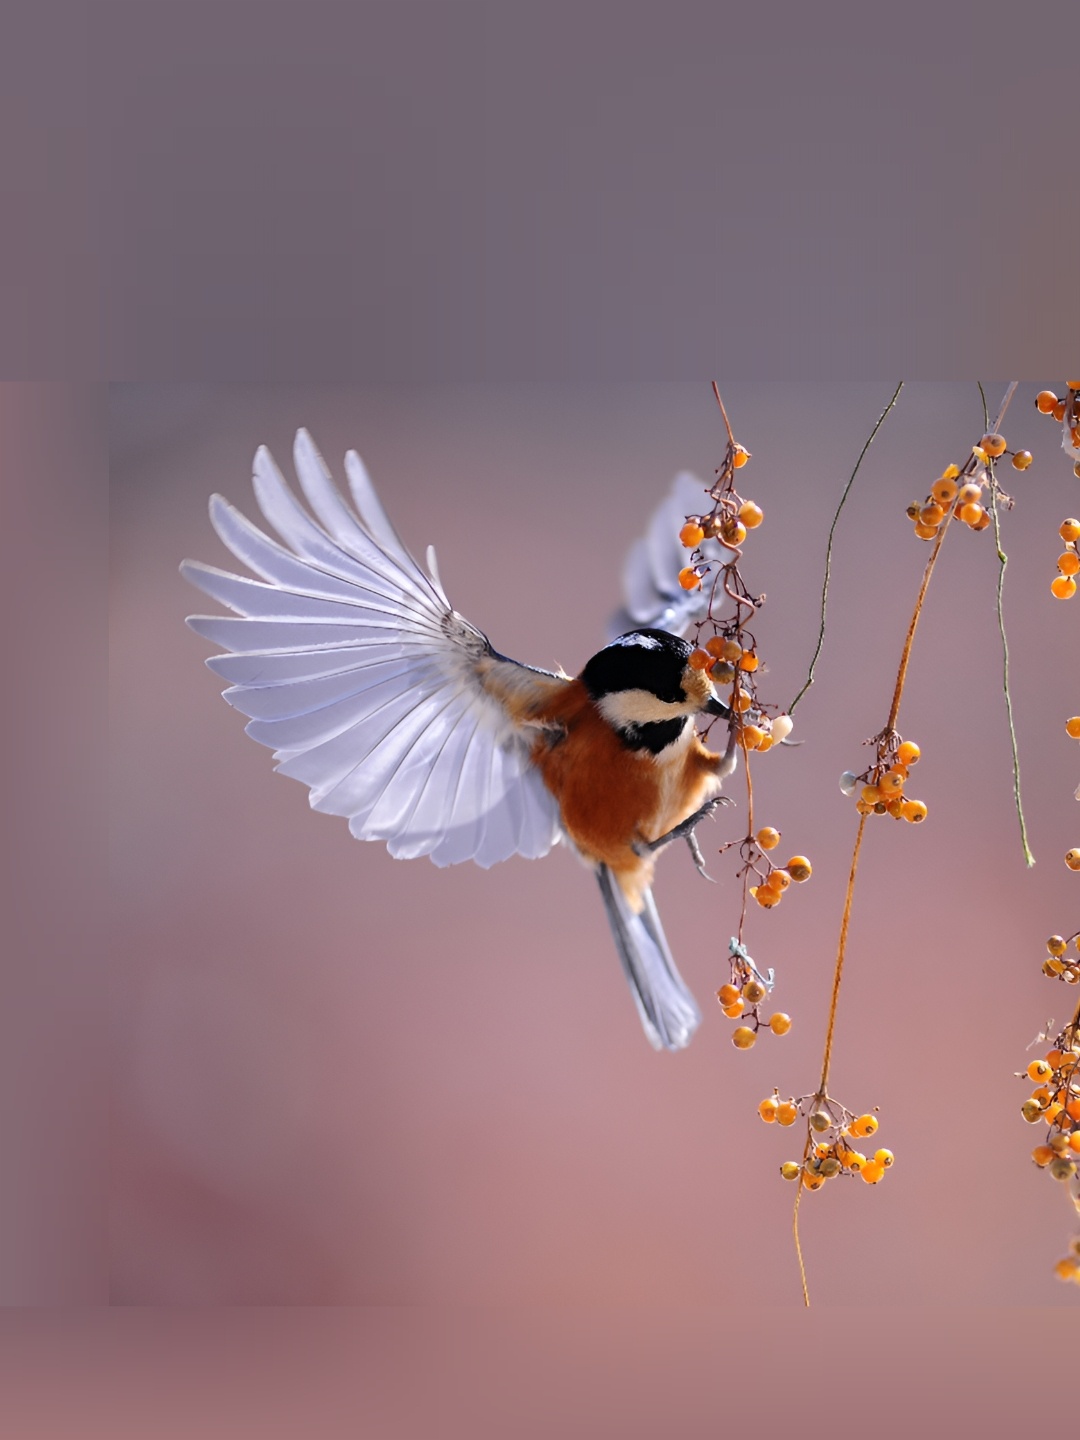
(651, 660)
(645, 689)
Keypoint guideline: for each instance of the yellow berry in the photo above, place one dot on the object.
(689, 579)
(1056, 945)
(884, 1157)
(731, 651)
(914, 810)
(891, 783)
(751, 515)
(1061, 1168)
(855, 1161)
(1072, 726)
(1045, 401)
(691, 534)
(1022, 459)
(787, 1113)
(768, 838)
(741, 701)
(872, 1172)
(743, 1038)
(944, 490)
(993, 444)
(790, 1170)
(908, 753)
(798, 867)
(732, 532)
(1067, 1269)
(1031, 1110)
(979, 453)
(753, 992)
(768, 1108)
(820, 1121)
(1069, 530)
(1072, 859)
(780, 1023)
(864, 1126)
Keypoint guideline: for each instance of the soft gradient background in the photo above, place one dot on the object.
(345, 1079)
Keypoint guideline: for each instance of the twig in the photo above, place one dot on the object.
(828, 548)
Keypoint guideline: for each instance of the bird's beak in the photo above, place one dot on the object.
(715, 706)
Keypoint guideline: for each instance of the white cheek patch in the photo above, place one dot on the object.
(624, 708)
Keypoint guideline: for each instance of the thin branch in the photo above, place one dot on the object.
(828, 548)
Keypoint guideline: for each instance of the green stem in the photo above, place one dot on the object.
(828, 548)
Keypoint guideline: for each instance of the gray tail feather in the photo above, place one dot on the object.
(668, 1011)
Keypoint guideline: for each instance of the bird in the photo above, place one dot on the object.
(400, 715)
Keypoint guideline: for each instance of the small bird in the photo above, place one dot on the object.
(399, 714)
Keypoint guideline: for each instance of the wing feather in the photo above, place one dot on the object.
(351, 665)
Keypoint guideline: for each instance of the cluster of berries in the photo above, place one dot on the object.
(880, 788)
(727, 661)
(1067, 413)
(961, 490)
(1064, 583)
(742, 997)
(828, 1151)
(1055, 1102)
(1069, 1267)
(728, 521)
(773, 879)
(1058, 965)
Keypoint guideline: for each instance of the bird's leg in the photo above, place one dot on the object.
(685, 831)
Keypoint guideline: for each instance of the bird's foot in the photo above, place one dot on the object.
(685, 831)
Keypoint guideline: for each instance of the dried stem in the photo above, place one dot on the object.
(828, 547)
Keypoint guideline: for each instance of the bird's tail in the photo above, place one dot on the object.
(668, 1011)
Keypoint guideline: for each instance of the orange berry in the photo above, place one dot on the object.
(891, 783)
(871, 794)
(743, 1037)
(754, 992)
(983, 521)
(993, 444)
(787, 1113)
(699, 660)
(768, 838)
(1042, 1154)
(931, 515)
(727, 994)
(740, 456)
(908, 753)
(715, 647)
(1039, 1070)
(972, 514)
(925, 532)
(1064, 587)
(735, 1009)
(765, 896)
(751, 515)
(1069, 531)
(914, 811)
(732, 532)
(969, 494)
(872, 1172)
(780, 1023)
(1069, 563)
(1045, 401)
(748, 660)
(1072, 859)
(1072, 726)
(943, 491)
(1074, 1140)
(864, 1126)
(798, 867)
(731, 651)
(1022, 459)
(1058, 411)
(778, 880)
(691, 534)
(689, 579)
(741, 701)
(1056, 945)
(768, 1108)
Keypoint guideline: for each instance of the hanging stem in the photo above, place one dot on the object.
(828, 547)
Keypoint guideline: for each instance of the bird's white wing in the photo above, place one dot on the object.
(369, 687)
(652, 595)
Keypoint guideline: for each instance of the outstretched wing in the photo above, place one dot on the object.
(652, 595)
(369, 687)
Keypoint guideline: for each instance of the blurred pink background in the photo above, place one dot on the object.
(341, 1078)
